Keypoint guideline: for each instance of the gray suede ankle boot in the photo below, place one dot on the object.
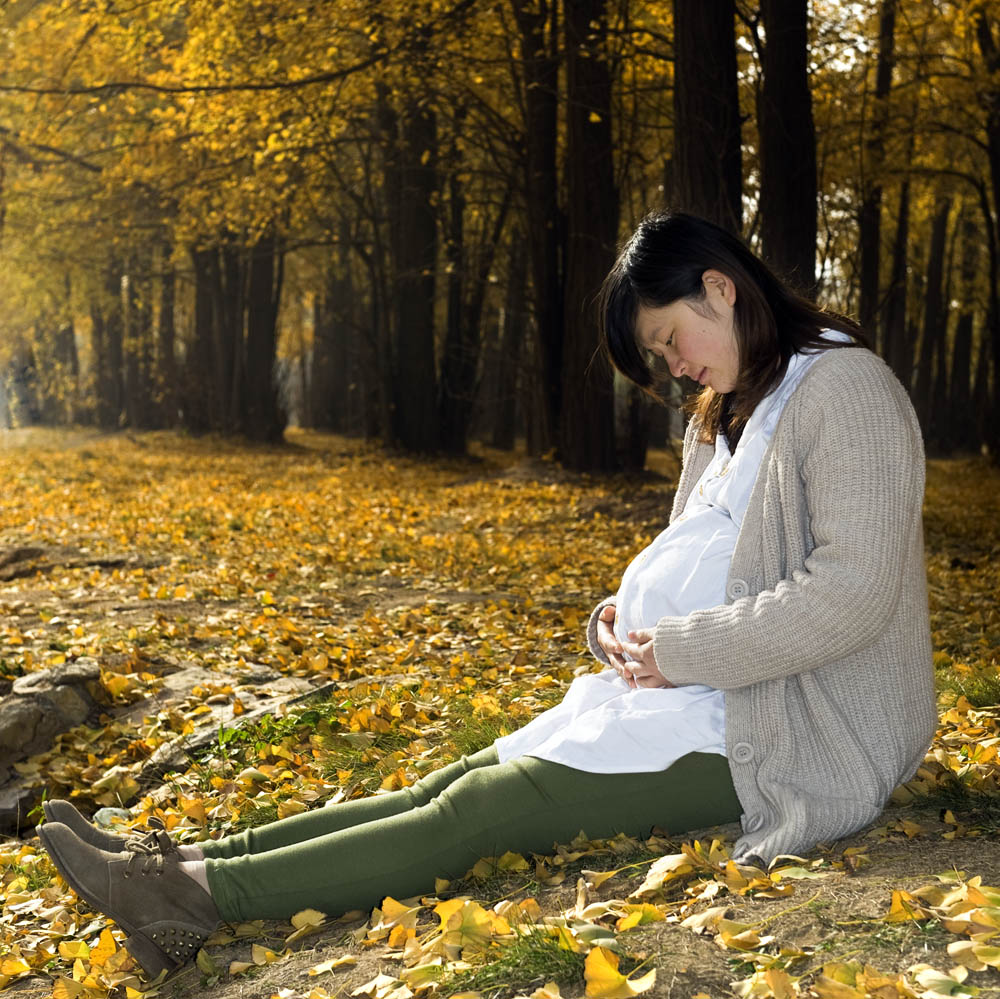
(69, 815)
(166, 914)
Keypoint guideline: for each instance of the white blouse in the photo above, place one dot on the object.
(604, 726)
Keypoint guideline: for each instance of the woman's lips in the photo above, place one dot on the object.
(701, 378)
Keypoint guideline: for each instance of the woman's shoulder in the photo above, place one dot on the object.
(847, 374)
(850, 396)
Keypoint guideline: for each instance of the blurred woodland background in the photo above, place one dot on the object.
(390, 218)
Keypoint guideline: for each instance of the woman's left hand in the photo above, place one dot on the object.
(643, 665)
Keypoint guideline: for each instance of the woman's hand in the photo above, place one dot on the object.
(607, 640)
(642, 670)
(640, 673)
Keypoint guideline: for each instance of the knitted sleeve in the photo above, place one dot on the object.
(852, 449)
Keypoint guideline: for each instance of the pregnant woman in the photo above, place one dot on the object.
(768, 655)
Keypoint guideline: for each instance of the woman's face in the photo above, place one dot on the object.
(695, 338)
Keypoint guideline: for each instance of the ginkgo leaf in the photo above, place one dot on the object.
(604, 981)
(261, 955)
(904, 907)
(105, 950)
(345, 960)
(596, 878)
(940, 985)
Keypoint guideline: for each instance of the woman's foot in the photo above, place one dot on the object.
(165, 912)
(69, 815)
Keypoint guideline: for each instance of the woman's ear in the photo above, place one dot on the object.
(716, 283)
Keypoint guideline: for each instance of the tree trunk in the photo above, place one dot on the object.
(263, 418)
(991, 100)
(138, 343)
(870, 215)
(469, 270)
(197, 392)
(229, 275)
(537, 22)
(707, 170)
(935, 315)
(410, 186)
(960, 384)
(166, 357)
(508, 348)
(455, 389)
(106, 320)
(787, 146)
(587, 423)
(898, 349)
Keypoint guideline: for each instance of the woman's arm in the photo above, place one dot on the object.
(856, 445)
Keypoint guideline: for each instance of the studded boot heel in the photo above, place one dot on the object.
(166, 914)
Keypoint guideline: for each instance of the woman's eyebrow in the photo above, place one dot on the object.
(645, 342)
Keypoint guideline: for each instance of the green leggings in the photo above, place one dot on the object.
(351, 855)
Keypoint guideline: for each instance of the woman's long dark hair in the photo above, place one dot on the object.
(663, 262)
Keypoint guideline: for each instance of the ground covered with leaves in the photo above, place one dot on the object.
(431, 607)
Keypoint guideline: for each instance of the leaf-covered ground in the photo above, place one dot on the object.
(444, 603)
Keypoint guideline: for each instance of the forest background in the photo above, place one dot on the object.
(390, 220)
(260, 220)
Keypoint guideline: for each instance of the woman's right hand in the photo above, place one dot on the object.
(609, 643)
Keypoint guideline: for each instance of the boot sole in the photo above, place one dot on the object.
(153, 959)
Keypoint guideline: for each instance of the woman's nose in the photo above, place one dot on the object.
(676, 365)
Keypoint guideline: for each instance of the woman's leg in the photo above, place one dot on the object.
(322, 821)
(524, 805)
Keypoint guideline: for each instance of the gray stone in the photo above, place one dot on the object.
(15, 804)
(45, 704)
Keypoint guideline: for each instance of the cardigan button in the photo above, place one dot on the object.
(737, 588)
(742, 752)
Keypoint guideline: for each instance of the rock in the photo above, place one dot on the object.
(42, 705)
(15, 804)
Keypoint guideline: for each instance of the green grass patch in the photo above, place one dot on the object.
(911, 935)
(37, 876)
(469, 732)
(980, 686)
(253, 815)
(531, 960)
(969, 806)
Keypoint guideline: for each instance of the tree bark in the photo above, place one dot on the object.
(935, 315)
(106, 321)
(166, 337)
(991, 100)
(870, 215)
(263, 418)
(898, 348)
(137, 345)
(962, 430)
(468, 276)
(410, 186)
(508, 350)
(707, 169)
(787, 146)
(587, 422)
(199, 389)
(538, 23)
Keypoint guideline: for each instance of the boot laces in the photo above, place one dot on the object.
(146, 856)
(154, 841)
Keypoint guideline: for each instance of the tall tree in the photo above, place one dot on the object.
(870, 213)
(935, 313)
(539, 63)
(707, 165)
(587, 437)
(787, 145)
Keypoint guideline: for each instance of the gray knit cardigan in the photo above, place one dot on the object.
(823, 647)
